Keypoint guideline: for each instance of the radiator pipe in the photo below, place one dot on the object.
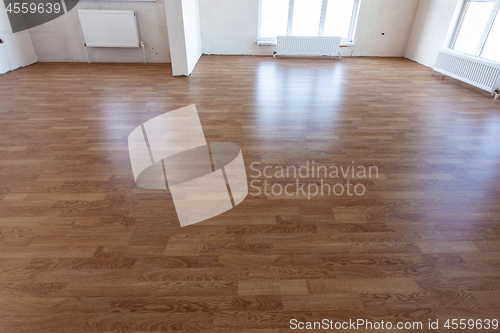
(143, 51)
(87, 52)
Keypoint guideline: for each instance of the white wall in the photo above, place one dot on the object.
(16, 50)
(61, 40)
(433, 29)
(183, 21)
(231, 26)
(413, 28)
(394, 18)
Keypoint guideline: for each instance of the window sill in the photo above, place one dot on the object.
(267, 42)
(347, 44)
(273, 42)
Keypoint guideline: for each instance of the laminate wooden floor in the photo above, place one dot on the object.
(82, 248)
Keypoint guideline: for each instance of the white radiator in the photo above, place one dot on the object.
(110, 28)
(476, 71)
(297, 45)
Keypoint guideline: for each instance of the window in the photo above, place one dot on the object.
(478, 32)
(307, 18)
(273, 18)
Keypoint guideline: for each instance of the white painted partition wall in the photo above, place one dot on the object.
(17, 49)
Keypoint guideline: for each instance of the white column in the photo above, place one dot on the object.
(183, 23)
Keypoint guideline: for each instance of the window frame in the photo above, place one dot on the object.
(291, 5)
(495, 14)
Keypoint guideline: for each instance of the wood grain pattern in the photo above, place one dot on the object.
(82, 248)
